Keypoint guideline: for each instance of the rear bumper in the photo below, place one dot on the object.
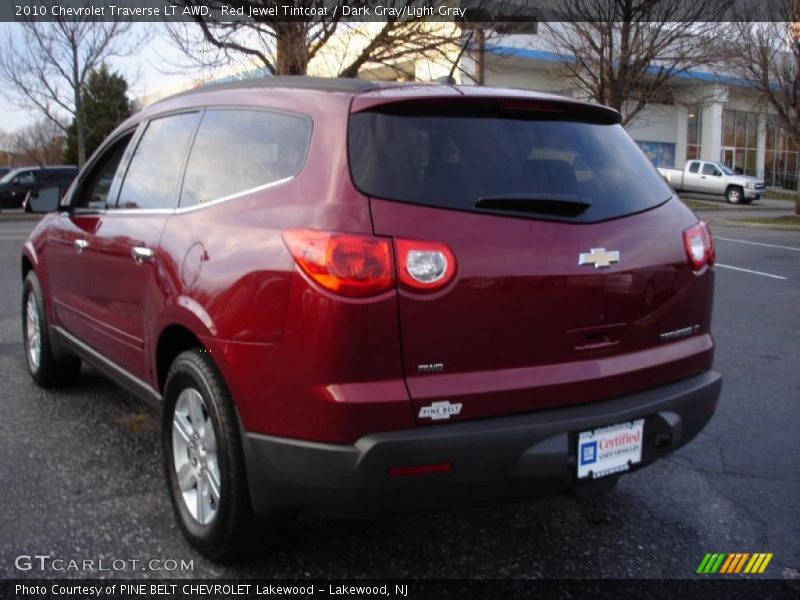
(522, 456)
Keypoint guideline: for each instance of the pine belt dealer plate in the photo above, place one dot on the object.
(609, 450)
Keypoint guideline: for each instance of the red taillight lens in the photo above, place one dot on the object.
(424, 266)
(699, 245)
(351, 265)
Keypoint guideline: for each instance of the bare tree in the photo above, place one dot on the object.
(46, 65)
(766, 57)
(623, 53)
(275, 46)
(41, 143)
(5, 154)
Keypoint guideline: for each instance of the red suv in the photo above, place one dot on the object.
(350, 297)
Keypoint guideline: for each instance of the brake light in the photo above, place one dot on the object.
(424, 266)
(356, 266)
(699, 245)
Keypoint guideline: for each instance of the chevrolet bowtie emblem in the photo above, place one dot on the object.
(599, 257)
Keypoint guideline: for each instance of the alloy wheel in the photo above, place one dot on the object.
(33, 332)
(194, 448)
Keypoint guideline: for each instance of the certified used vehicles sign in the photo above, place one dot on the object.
(610, 449)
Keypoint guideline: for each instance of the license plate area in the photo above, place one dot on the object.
(609, 450)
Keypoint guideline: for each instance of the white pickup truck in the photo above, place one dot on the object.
(714, 178)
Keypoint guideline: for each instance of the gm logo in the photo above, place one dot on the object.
(588, 453)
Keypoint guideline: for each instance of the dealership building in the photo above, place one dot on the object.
(709, 116)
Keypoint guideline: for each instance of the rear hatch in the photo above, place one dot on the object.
(570, 263)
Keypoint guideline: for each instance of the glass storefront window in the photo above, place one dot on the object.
(694, 132)
(780, 158)
(661, 154)
(740, 141)
(741, 125)
(752, 131)
(727, 128)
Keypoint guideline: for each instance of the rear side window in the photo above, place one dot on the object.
(452, 160)
(694, 167)
(709, 169)
(152, 177)
(236, 151)
(26, 178)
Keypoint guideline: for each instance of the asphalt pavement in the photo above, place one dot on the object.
(80, 474)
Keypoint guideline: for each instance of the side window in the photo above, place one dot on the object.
(95, 188)
(694, 167)
(26, 178)
(709, 169)
(152, 177)
(238, 150)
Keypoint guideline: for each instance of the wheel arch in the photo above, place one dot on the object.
(28, 261)
(173, 339)
(734, 185)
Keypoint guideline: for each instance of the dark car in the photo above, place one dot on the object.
(354, 297)
(16, 184)
(4, 170)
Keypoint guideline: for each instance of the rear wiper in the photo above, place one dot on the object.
(568, 205)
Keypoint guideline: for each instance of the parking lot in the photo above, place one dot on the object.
(80, 474)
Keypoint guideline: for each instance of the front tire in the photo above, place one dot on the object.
(734, 195)
(203, 459)
(47, 367)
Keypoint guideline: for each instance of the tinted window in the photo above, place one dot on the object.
(238, 150)
(27, 178)
(451, 161)
(694, 167)
(61, 175)
(709, 169)
(94, 190)
(152, 177)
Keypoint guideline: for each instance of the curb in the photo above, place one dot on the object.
(750, 225)
(24, 217)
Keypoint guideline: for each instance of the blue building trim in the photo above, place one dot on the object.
(543, 55)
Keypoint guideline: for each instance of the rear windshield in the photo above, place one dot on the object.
(452, 160)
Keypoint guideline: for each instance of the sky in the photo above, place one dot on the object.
(143, 72)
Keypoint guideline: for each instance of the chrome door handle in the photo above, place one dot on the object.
(80, 245)
(141, 254)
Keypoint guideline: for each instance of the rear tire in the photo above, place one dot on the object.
(47, 367)
(204, 462)
(734, 195)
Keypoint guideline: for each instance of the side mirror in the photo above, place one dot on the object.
(44, 200)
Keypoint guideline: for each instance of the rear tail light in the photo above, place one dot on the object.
(359, 266)
(424, 265)
(351, 265)
(699, 245)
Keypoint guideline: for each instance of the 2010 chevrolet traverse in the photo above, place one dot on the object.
(350, 296)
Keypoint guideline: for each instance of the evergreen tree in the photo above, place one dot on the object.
(104, 105)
